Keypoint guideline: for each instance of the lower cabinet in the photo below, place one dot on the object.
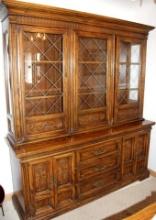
(59, 182)
(135, 155)
(51, 184)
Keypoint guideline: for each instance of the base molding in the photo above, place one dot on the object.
(8, 197)
(152, 173)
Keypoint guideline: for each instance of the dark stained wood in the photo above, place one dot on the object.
(74, 115)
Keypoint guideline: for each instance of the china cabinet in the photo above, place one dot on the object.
(74, 89)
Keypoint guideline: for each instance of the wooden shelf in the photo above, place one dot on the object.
(42, 97)
(129, 63)
(89, 93)
(92, 62)
(42, 62)
(92, 110)
(129, 89)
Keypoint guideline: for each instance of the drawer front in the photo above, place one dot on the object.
(98, 150)
(96, 166)
(93, 185)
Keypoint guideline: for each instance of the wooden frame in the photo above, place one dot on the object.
(66, 167)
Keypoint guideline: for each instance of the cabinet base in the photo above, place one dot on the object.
(18, 201)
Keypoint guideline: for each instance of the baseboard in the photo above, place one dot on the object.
(152, 173)
(8, 197)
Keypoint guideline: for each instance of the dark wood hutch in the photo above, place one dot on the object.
(75, 88)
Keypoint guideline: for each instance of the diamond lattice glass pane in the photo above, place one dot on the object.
(134, 76)
(43, 79)
(133, 95)
(92, 77)
(92, 73)
(135, 53)
(43, 73)
(41, 46)
(44, 106)
(90, 101)
(123, 97)
(92, 49)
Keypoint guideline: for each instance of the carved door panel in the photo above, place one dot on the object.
(92, 80)
(64, 179)
(41, 186)
(129, 78)
(44, 77)
(141, 152)
(128, 157)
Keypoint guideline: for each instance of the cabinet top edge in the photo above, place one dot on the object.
(46, 11)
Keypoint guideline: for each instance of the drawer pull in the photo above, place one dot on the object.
(99, 152)
(100, 168)
(98, 184)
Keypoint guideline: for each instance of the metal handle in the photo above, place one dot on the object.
(100, 168)
(98, 184)
(99, 152)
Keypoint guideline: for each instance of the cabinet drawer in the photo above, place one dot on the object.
(98, 150)
(96, 166)
(92, 185)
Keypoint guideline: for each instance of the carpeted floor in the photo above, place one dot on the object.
(114, 206)
(134, 208)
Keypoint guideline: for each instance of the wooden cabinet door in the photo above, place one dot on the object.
(44, 78)
(129, 79)
(64, 178)
(92, 73)
(128, 162)
(141, 152)
(41, 186)
(135, 155)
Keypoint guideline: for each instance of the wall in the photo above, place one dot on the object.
(124, 9)
(5, 171)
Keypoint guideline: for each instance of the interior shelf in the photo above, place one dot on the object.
(42, 62)
(42, 97)
(91, 62)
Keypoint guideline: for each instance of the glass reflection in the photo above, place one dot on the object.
(134, 76)
(135, 53)
(133, 95)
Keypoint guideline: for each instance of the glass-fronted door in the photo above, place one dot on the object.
(128, 79)
(93, 74)
(45, 102)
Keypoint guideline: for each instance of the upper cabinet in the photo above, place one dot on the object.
(70, 72)
(129, 79)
